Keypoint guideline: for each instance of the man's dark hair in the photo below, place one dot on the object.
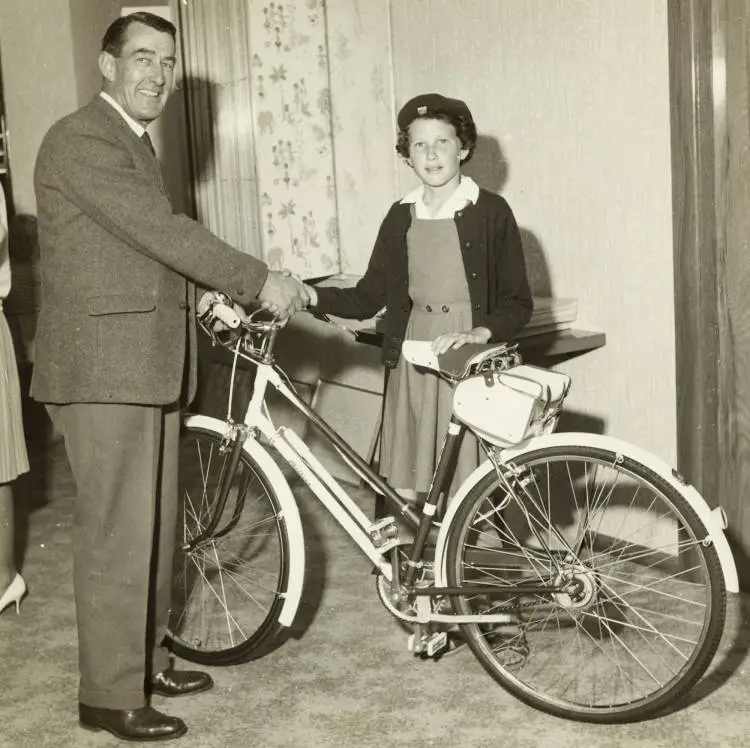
(114, 37)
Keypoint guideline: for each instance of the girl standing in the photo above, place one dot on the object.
(13, 457)
(448, 266)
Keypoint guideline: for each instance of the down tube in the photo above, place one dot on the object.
(346, 452)
(341, 507)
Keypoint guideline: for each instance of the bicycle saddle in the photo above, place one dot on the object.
(455, 363)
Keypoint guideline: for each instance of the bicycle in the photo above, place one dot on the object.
(587, 577)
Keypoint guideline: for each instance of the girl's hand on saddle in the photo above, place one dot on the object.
(443, 343)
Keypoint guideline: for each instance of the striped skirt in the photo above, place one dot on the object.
(13, 456)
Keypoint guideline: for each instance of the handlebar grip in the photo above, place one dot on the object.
(226, 314)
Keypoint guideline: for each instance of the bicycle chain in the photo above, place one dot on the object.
(518, 606)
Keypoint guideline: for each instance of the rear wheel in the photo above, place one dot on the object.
(639, 599)
(228, 584)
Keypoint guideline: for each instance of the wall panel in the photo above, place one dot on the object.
(359, 55)
(39, 83)
(572, 101)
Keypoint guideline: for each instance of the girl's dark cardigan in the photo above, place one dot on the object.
(493, 261)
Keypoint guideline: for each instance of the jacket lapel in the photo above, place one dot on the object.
(142, 157)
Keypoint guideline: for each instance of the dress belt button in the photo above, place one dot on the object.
(428, 308)
(445, 308)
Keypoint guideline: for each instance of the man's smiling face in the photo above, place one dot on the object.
(140, 78)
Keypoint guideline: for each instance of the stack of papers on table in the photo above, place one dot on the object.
(550, 314)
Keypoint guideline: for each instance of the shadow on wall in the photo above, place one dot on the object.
(489, 169)
(196, 100)
(571, 420)
(173, 144)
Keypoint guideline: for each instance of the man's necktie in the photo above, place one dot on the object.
(146, 138)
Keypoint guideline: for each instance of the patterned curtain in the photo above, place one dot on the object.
(258, 98)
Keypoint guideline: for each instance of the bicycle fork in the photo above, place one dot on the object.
(233, 441)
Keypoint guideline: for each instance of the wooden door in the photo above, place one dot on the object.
(710, 85)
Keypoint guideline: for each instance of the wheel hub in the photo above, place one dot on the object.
(580, 588)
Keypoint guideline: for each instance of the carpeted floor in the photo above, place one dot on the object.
(346, 680)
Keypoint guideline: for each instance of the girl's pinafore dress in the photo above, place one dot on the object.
(418, 403)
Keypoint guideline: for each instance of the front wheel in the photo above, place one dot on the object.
(233, 563)
(636, 601)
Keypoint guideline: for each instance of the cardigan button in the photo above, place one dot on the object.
(473, 276)
(476, 306)
(467, 245)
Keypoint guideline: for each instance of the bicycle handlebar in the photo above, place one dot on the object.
(257, 338)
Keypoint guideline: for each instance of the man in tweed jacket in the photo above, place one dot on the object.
(115, 359)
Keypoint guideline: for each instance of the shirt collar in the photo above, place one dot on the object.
(136, 127)
(466, 192)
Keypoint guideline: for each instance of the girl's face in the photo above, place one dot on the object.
(435, 151)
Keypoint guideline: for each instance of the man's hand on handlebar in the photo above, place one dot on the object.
(283, 295)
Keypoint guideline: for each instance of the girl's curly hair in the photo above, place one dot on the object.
(466, 131)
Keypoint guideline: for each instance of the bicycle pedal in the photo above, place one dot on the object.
(384, 534)
(436, 642)
(428, 645)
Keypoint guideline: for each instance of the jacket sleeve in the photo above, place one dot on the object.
(368, 296)
(510, 303)
(101, 180)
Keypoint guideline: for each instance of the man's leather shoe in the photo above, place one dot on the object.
(171, 682)
(131, 724)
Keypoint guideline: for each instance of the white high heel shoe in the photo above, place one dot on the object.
(13, 594)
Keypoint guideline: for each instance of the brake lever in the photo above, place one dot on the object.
(323, 317)
(320, 315)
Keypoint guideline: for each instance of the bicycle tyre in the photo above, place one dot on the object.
(228, 591)
(647, 600)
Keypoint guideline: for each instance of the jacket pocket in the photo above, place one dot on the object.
(120, 303)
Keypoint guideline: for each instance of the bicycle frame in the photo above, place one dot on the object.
(579, 543)
(375, 539)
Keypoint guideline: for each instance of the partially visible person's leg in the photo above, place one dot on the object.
(7, 561)
(114, 452)
(166, 513)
